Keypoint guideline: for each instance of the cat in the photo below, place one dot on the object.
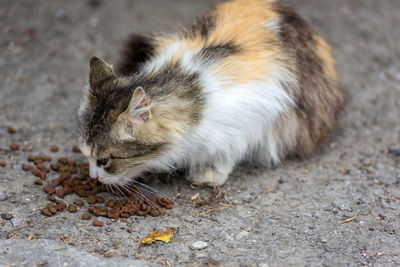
(250, 80)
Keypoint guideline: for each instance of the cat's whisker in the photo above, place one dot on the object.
(152, 189)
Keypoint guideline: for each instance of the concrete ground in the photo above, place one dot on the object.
(286, 216)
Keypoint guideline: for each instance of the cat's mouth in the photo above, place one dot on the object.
(106, 178)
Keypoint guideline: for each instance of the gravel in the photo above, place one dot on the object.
(292, 213)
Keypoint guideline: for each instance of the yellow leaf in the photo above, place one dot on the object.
(158, 235)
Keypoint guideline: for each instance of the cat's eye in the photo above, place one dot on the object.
(102, 162)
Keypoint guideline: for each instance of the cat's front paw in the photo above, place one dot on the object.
(208, 175)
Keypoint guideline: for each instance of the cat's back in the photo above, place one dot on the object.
(255, 59)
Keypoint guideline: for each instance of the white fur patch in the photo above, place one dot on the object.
(164, 57)
(238, 122)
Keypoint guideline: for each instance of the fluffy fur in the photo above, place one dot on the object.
(250, 80)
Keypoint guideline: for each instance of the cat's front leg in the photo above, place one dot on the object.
(217, 173)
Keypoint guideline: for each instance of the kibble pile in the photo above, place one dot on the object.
(73, 178)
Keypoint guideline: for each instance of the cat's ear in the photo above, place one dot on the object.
(100, 72)
(138, 111)
(139, 105)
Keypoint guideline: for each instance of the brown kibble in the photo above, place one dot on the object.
(51, 198)
(86, 216)
(64, 169)
(60, 205)
(49, 189)
(46, 212)
(91, 209)
(69, 183)
(143, 207)
(91, 199)
(73, 170)
(154, 213)
(11, 130)
(46, 158)
(98, 223)
(38, 173)
(14, 146)
(64, 191)
(124, 215)
(26, 167)
(82, 193)
(31, 157)
(72, 208)
(54, 148)
(54, 167)
(110, 203)
(163, 211)
(38, 182)
(40, 166)
(76, 149)
(79, 202)
(100, 199)
(51, 208)
(63, 160)
(3, 163)
(37, 161)
(27, 148)
(169, 206)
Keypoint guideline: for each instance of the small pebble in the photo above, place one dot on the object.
(283, 180)
(242, 235)
(95, 3)
(248, 199)
(394, 152)
(7, 216)
(199, 245)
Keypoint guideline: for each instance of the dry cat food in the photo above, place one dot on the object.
(54, 148)
(73, 178)
(98, 223)
(14, 146)
(3, 163)
(11, 130)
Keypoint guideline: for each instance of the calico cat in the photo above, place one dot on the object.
(250, 80)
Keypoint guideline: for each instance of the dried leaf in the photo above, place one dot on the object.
(159, 235)
(348, 220)
(195, 196)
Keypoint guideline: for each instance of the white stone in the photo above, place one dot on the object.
(199, 245)
(242, 235)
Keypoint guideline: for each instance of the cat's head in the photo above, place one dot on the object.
(118, 133)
